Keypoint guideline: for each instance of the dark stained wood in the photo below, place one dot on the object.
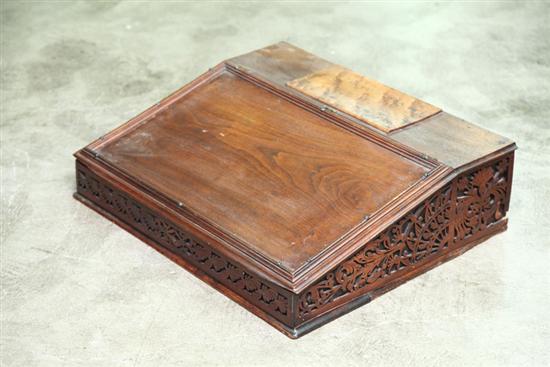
(298, 212)
(119, 206)
(281, 179)
(464, 142)
(282, 63)
(459, 213)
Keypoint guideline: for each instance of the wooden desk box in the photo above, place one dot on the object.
(298, 188)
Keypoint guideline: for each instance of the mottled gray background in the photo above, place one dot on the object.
(79, 291)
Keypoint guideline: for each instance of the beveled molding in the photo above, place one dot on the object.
(339, 249)
(463, 212)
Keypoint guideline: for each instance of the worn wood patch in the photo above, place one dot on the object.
(380, 106)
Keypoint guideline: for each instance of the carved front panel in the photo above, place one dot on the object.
(450, 218)
(460, 212)
(257, 291)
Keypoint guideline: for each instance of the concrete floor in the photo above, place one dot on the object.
(79, 291)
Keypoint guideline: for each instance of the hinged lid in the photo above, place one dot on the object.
(247, 154)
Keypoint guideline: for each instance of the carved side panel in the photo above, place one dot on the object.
(419, 235)
(450, 218)
(257, 291)
(482, 198)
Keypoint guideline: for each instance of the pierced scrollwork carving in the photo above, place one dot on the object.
(481, 198)
(420, 234)
(457, 214)
(171, 237)
(430, 229)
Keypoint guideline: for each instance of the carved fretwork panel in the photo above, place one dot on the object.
(481, 198)
(417, 236)
(232, 275)
(467, 205)
(459, 213)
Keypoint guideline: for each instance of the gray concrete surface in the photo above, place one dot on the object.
(79, 291)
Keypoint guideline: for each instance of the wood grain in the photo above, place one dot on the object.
(464, 142)
(461, 211)
(280, 63)
(283, 180)
(298, 212)
(370, 101)
(455, 218)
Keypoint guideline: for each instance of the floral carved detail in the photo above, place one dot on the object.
(420, 234)
(171, 237)
(434, 226)
(481, 198)
(460, 213)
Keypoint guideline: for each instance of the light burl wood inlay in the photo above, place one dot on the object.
(380, 106)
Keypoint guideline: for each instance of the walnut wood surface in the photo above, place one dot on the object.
(464, 142)
(298, 212)
(466, 208)
(280, 178)
(168, 235)
(280, 62)
(456, 217)
(443, 137)
(374, 103)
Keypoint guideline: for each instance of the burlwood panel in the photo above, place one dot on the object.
(446, 138)
(372, 102)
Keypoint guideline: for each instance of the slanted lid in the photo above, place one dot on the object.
(285, 181)
(250, 154)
